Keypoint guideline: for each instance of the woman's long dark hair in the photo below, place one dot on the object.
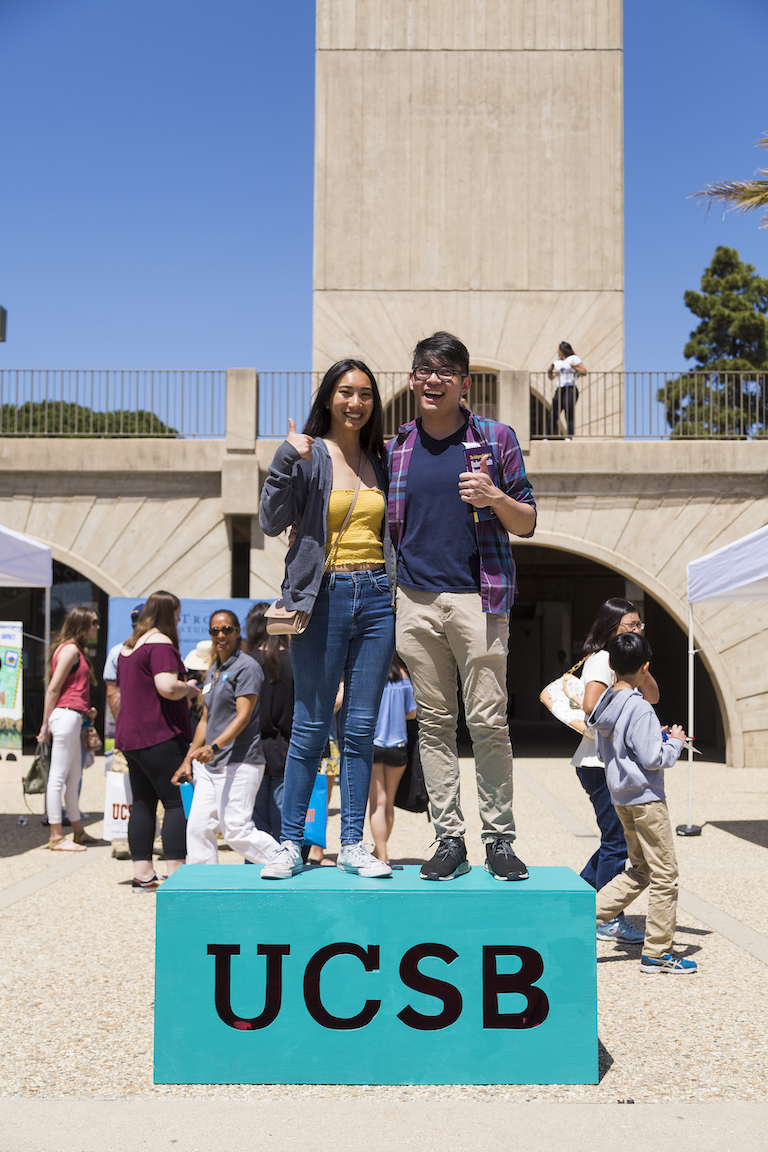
(158, 612)
(564, 346)
(257, 639)
(396, 669)
(319, 419)
(606, 622)
(77, 624)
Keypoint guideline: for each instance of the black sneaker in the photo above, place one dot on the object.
(502, 863)
(449, 860)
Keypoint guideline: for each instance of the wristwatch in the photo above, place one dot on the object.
(215, 749)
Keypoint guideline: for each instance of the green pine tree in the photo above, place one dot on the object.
(726, 395)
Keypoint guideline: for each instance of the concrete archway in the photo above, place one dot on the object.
(92, 572)
(677, 609)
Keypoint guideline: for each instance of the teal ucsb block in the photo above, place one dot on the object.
(329, 978)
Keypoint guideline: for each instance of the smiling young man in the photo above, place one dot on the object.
(455, 587)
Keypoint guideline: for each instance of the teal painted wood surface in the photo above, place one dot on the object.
(328, 978)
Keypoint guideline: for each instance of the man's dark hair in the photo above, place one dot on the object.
(442, 349)
(628, 652)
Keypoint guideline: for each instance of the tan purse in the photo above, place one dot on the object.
(282, 621)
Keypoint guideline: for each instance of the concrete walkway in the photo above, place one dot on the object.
(76, 1003)
(375, 1126)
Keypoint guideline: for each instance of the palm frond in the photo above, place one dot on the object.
(742, 195)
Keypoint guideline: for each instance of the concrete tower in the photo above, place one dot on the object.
(468, 176)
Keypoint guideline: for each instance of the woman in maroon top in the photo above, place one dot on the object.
(67, 702)
(153, 731)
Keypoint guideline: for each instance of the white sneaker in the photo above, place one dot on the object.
(287, 862)
(356, 858)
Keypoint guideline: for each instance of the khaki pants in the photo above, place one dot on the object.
(652, 861)
(436, 633)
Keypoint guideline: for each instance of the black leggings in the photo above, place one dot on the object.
(150, 772)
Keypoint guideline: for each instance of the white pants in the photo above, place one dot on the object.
(227, 798)
(66, 764)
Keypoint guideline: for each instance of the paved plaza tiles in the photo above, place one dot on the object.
(76, 1002)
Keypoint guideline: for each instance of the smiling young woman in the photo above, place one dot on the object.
(225, 757)
(329, 484)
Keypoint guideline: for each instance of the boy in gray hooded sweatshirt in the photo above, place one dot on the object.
(635, 755)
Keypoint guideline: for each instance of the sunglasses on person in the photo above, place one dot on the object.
(225, 629)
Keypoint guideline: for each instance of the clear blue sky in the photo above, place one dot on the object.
(156, 195)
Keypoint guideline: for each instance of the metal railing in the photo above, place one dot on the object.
(192, 404)
(106, 403)
(284, 394)
(655, 406)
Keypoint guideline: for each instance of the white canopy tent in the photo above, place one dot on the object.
(26, 563)
(739, 571)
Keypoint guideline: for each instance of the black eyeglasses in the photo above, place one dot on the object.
(227, 630)
(422, 374)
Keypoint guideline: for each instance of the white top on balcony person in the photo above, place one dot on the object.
(565, 368)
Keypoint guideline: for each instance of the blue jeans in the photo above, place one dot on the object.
(611, 856)
(351, 636)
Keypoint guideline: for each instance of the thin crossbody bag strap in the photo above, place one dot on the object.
(348, 516)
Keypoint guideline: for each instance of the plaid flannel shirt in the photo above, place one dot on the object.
(498, 580)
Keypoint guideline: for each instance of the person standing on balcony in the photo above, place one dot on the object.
(455, 587)
(564, 369)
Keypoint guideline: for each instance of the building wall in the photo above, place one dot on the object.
(468, 175)
(137, 515)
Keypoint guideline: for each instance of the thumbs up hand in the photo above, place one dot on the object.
(302, 444)
(477, 488)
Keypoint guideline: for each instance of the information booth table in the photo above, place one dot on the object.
(328, 978)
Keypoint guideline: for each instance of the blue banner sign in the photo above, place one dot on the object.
(193, 624)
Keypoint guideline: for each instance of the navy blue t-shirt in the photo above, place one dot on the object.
(438, 551)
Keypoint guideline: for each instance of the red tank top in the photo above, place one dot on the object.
(76, 691)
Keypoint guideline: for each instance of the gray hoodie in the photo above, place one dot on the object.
(631, 746)
(297, 492)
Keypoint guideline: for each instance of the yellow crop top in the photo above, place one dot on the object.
(361, 542)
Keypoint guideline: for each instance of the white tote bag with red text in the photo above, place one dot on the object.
(118, 799)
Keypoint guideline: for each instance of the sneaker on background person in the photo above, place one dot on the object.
(668, 963)
(150, 885)
(621, 930)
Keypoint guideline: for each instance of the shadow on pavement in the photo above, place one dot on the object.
(604, 1059)
(755, 831)
(17, 838)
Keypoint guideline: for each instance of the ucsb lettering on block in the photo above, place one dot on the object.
(331, 978)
